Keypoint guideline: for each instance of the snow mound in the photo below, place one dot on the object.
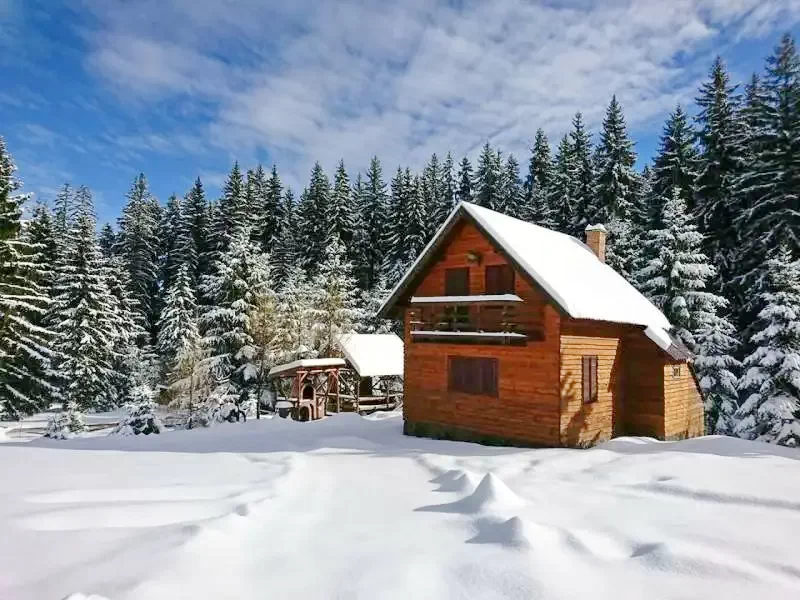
(491, 495)
(456, 480)
(513, 533)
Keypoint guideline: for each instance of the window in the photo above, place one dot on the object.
(456, 282)
(473, 375)
(589, 378)
(499, 279)
(676, 370)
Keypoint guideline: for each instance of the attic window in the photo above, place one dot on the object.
(499, 279)
(456, 282)
(676, 370)
(589, 378)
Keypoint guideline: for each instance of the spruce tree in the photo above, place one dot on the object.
(433, 184)
(314, 218)
(718, 373)
(268, 212)
(194, 233)
(25, 346)
(676, 164)
(232, 214)
(487, 182)
(719, 165)
(512, 193)
(294, 313)
(675, 279)
(586, 207)
(559, 192)
(540, 172)
(340, 209)
(286, 253)
(614, 160)
(373, 215)
(449, 187)
(241, 275)
(84, 320)
(334, 308)
(107, 240)
(396, 230)
(371, 302)
(170, 256)
(177, 332)
(40, 234)
(63, 211)
(417, 218)
(770, 411)
(138, 245)
(464, 189)
(772, 180)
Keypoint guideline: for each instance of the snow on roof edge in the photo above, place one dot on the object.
(307, 363)
(373, 354)
(661, 338)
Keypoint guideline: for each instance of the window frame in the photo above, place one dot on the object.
(589, 379)
(450, 272)
(505, 274)
(473, 375)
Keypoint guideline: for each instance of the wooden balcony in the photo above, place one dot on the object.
(470, 319)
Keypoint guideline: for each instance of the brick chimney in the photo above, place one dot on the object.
(596, 240)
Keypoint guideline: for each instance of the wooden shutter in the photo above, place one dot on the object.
(499, 279)
(472, 375)
(589, 379)
(456, 282)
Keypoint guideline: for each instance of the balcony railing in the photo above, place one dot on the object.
(470, 318)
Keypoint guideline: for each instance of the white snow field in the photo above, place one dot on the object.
(348, 507)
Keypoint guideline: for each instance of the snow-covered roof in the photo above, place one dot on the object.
(566, 269)
(307, 363)
(373, 355)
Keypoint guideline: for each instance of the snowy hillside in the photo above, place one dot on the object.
(349, 508)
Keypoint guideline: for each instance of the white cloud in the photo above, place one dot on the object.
(350, 78)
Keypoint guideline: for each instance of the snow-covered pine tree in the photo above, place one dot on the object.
(334, 305)
(718, 373)
(449, 188)
(540, 172)
(433, 186)
(559, 192)
(417, 218)
(25, 346)
(268, 213)
(614, 161)
(138, 245)
(63, 211)
(396, 229)
(464, 189)
(140, 417)
(373, 215)
(241, 275)
(340, 208)
(194, 232)
(771, 182)
(770, 411)
(107, 240)
(371, 302)
(294, 314)
(133, 359)
(720, 163)
(84, 320)
(177, 327)
(676, 163)
(314, 216)
(675, 279)
(285, 252)
(40, 234)
(233, 214)
(170, 256)
(486, 184)
(513, 196)
(586, 208)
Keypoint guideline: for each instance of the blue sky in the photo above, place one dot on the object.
(94, 91)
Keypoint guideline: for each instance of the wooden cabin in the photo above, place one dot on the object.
(516, 334)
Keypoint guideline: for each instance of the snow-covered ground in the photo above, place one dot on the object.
(350, 508)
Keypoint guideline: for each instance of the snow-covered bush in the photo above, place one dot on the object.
(65, 425)
(141, 417)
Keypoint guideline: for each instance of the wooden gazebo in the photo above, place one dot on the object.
(367, 378)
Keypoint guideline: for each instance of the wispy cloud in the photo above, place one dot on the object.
(349, 78)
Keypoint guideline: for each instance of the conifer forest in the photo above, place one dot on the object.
(190, 300)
